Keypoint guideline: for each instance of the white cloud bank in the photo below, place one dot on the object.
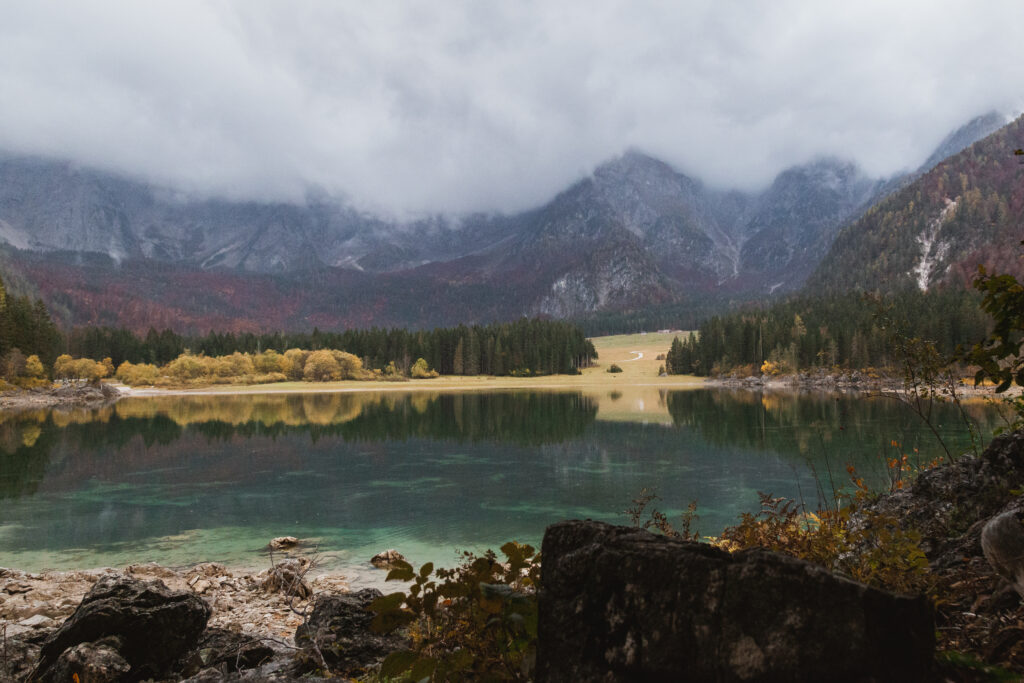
(466, 105)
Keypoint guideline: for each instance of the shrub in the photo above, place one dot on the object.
(475, 622)
(420, 370)
(321, 366)
(295, 364)
(34, 367)
(66, 367)
(269, 361)
(186, 367)
(349, 365)
(136, 374)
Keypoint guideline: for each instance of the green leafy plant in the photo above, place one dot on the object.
(478, 620)
(1000, 355)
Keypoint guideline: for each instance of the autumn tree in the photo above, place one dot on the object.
(420, 370)
(321, 366)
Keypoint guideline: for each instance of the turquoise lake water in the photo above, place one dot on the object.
(179, 480)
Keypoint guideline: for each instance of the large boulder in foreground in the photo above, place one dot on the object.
(621, 604)
(337, 634)
(144, 623)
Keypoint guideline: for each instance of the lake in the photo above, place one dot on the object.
(184, 479)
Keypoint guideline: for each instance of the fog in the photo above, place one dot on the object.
(408, 107)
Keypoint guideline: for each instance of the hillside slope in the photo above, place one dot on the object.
(967, 210)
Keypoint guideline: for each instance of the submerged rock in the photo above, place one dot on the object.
(147, 624)
(619, 603)
(387, 558)
(283, 543)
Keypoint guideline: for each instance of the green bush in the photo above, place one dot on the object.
(475, 622)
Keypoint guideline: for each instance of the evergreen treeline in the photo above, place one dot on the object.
(842, 331)
(25, 326)
(524, 347)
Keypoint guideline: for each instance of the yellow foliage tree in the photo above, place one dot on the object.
(295, 363)
(63, 366)
(420, 370)
(322, 366)
(349, 365)
(34, 367)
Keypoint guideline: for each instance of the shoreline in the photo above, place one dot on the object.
(72, 396)
(39, 601)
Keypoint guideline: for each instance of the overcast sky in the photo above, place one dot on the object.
(491, 105)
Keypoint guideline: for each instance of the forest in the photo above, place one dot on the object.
(28, 337)
(525, 347)
(852, 331)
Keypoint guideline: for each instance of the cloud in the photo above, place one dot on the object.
(460, 106)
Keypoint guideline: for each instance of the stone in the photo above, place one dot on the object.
(386, 559)
(622, 604)
(97, 662)
(283, 543)
(153, 625)
(37, 621)
(233, 651)
(339, 627)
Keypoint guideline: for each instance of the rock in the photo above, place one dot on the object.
(287, 577)
(949, 505)
(339, 627)
(386, 559)
(37, 621)
(283, 543)
(17, 655)
(619, 603)
(232, 651)
(97, 662)
(154, 625)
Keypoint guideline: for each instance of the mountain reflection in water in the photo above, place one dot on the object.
(182, 479)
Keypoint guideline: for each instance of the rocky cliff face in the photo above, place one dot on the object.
(634, 233)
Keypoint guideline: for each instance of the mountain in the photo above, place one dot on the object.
(965, 211)
(963, 137)
(103, 249)
(797, 218)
